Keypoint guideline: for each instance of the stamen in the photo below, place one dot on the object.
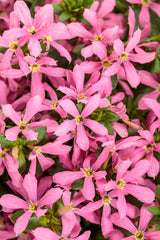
(106, 200)
(54, 104)
(106, 63)
(34, 67)
(33, 207)
(48, 38)
(98, 38)
(139, 235)
(120, 183)
(32, 31)
(23, 125)
(81, 96)
(124, 56)
(79, 120)
(149, 147)
(89, 172)
(37, 149)
(13, 46)
(146, 2)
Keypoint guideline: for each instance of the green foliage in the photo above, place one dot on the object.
(155, 210)
(58, 9)
(158, 194)
(5, 143)
(78, 184)
(41, 134)
(16, 215)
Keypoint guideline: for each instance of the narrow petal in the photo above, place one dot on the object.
(123, 223)
(131, 21)
(12, 202)
(63, 51)
(82, 138)
(67, 177)
(22, 222)
(78, 76)
(145, 217)
(30, 185)
(132, 75)
(91, 106)
(68, 221)
(88, 190)
(37, 81)
(106, 7)
(79, 31)
(155, 7)
(44, 17)
(118, 46)
(144, 194)
(153, 105)
(55, 148)
(106, 221)
(144, 16)
(12, 133)
(121, 204)
(10, 113)
(34, 47)
(42, 233)
(133, 41)
(101, 159)
(23, 13)
(54, 71)
(33, 107)
(65, 127)
(30, 134)
(50, 197)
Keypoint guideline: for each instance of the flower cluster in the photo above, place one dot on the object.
(80, 119)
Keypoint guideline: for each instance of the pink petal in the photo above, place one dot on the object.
(50, 197)
(101, 159)
(30, 134)
(138, 171)
(79, 31)
(10, 113)
(99, 49)
(131, 21)
(121, 204)
(65, 127)
(37, 81)
(45, 162)
(90, 16)
(63, 51)
(118, 46)
(106, 221)
(153, 105)
(67, 177)
(12, 202)
(96, 127)
(54, 71)
(153, 235)
(78, 76)
(91, 106)
(84, 236)
(42, 233)
(144, 194)
(44, 17)
(132, 75)
(123, 223)
(30, 185)
(34, 46)
(68, 221)
(33, 107)
(12, 133)
(87, 51)
(145, 217)
(23, 13)
(88, 190)
(155, 7)
(22, 222)
(154, 166)
(133, 41)
(82, 138)
(55, 148)
(144, 16)
(106, 7)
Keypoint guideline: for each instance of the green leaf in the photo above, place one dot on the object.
(58, 9)
(158, 227)
(65, 16)
(155, 210)
(5, 143)
(78, 184)
(21, 160)
(110, 116)
(158, 193)
(16, 215)
(109, 128)
(78, 49)
(41, 133)
(154, 221)
(34, 222)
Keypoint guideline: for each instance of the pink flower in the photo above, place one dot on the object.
(33, 107)
(79, 120)
(34, 202)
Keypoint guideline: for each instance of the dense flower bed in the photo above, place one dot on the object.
(80, 119)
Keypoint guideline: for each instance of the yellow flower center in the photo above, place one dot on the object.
(54, 104)
(149, 147)
(139, 235)
(47, 38)
(37, 149)
(23, 125)
(89, 172)
(98, 38)
(151, 228)
(81, 96)
(106, 63)
(120, 183)
(34, 67)
(146, 2)
(2, 223)
(13, 46)
(2, 155)
(32, 31)
(79, 120)
(65, 209)
(124, 56)
(33, 207)
(62, 238)
(106, 200)
(158, 89)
